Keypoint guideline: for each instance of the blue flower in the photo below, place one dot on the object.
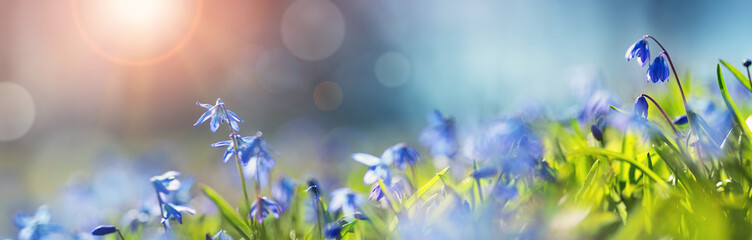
(347, 200)
(680, 120)
(598, 128)
(440, 136)
(104, 230)
(259, 150)
(221, 235)
(639, 50)
(401, 155)
(504, 192)
(377, 168)
(376, 192)
(484, 172)
(658, 71)
(332, 230)
(266, 207)
(166, 182)
(284, 191)
(231, 151)
(640, 107)
(218, 114)
(172, 211)
(597, 106)
(36, 227)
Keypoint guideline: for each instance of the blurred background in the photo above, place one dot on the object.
(96, 96)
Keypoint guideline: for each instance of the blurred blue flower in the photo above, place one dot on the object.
(484, 172)
(376, 193)
(37, 226)
(284, 192)
(440, 136)
(639, 50)
(182, 195)
(259, 150)
(640, 107)
(221, 235)
(267, 207)
(172, 211)
(597, 106)
(658, 71)
(401, 155)
(346, 200)
(332, 230)
(218, 114)
(598, 128)
(166, 182)
(378, 168)
(504, 192)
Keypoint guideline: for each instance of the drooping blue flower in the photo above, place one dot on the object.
(484, 172)
(172, 211)
(284, 191)
(166, 182)
(640, 107)
(376, 192)
(332, 230)
(658, 70)
(221, 235)
(346, 200)
(267, 206)
(259, 150)
(440, 136)
(401, 155)
(378, 168)
(680, 120)
(639, 50)
(598, 128)
(231, 151)
(37, 226)
(104, 230)
(219, 114)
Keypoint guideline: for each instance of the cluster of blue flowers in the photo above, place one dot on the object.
(657, 70)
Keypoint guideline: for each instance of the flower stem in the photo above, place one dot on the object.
(673, 69)
(748, 77)
(477, 181)
(234, 136)
(664, 114)
(119, 233)
(415, 179)
(161, 209)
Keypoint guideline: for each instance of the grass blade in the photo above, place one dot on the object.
(228, 212)
(423, 189)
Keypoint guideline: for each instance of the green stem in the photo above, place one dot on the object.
(234, 136)
(670, 123)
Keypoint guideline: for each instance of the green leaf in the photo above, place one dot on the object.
(588, 180)
(228, 212)
(620, 157)
(738, 119)
(743, 79)
(422, 190)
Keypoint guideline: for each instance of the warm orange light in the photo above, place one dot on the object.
(136, 32)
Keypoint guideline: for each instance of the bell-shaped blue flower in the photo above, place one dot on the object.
(284, 191)
(640, 51)
(166, 182)
(401, 155)
(440, 136)
(346, 200)
(218, 114)
(658, 71)
(172, 211)
(262, 208)
(104, 230)
(37, 226)
(640, 107)
(680, 120)
(378, 168)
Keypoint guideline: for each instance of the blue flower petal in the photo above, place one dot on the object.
(103, 230)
